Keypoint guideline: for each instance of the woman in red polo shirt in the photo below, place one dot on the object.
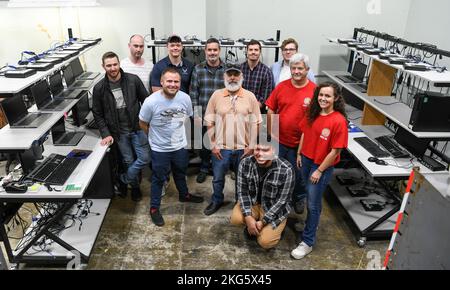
(324, 136)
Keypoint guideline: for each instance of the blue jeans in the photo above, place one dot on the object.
(315, 192)
(220, 168)
(162, 164)
(205, 154)
(135, 152)
(290, 154)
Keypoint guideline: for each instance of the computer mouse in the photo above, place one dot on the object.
(381, 162)
(372, 159)
(79, 154)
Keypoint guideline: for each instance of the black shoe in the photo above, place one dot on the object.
(299, 206)
(201, 177)
(191, 198)
(248, 236)
(212, 208)
(123, 189)
(136, 194)
(156, 216)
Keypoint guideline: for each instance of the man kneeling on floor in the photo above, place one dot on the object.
(265, 184)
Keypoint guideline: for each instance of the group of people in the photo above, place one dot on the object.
(144, 111)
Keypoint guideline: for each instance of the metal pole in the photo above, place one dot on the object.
(152, 34)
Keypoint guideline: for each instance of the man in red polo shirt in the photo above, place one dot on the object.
(290, 100)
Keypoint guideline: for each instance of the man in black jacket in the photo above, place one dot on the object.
(116, 104)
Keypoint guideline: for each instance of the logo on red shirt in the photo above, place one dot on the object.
(306, 102)
(325, 134)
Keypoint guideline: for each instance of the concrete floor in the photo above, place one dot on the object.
(190, 240)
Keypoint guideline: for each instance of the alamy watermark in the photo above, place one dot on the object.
(374, 7)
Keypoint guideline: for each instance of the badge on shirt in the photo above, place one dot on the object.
(325, 134)
(306, 102)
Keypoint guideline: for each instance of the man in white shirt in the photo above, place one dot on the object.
(135, 63)
(281, 70)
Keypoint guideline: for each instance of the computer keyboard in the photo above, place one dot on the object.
(389, 143)
(371, 147)
(54, 170)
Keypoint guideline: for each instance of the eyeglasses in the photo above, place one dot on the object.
(289, 49)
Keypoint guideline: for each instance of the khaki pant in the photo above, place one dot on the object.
(268, 237)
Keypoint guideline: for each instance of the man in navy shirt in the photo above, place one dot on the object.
(174, 59)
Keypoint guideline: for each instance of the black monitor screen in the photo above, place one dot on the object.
(58, 129)
(56, 86)
(416, 146)
(77, 69)
(431, 112)
(14, 108)
(81, 110)
(41, 93)
(359, 70)
(68, 76)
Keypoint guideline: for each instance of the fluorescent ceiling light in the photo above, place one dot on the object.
(52, 3)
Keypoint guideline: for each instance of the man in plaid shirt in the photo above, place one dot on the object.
(258, 77)
(206, 78)
(264, 187)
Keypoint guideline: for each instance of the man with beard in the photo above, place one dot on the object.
(290, 100)
(233, 118)
(264, 186)
(207, 77)
(135, 63)
(116, 101)
(162, 117)
(258, 77)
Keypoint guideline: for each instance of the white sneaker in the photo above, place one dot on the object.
(301, 251)
(164, 188)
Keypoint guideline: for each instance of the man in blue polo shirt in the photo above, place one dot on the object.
(174, 59)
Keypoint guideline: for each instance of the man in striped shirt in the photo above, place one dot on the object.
(258, 77)
(135, 63)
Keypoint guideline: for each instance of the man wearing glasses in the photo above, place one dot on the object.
(281, 70)
(232, 117)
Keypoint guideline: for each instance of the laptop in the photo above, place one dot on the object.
(57, 88)
(62, 138)
(70, 80)
(79, 73)
(18, 116)
(430, 113)
(358, 73)
(360, 87)
(43, 99)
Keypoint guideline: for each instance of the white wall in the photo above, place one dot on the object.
(114, 21)
(310, 22)
(429, 22)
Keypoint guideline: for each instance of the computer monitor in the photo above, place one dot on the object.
(59, 129)
(416, 146)
(430, 113)
(81, 110)
(41, 93)
(56, 86)
(29, 157)
(359, 70)
(68, 76)
(76, 67)
(14, 109)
